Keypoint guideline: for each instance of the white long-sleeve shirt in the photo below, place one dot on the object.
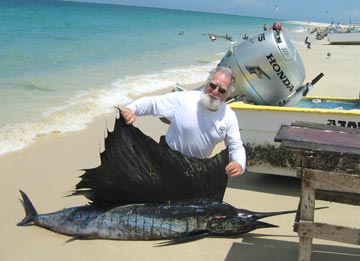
(194, 130)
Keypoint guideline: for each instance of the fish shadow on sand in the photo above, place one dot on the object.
(255, 248)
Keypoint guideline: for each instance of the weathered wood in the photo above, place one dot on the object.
(324, 152)
(305, 248)
(319, 139)
(333, 162)
(315, 147)
(339, 197)
(307, 205)
(307, 202)
(320, 126)
(332, 181)
(328, 162)
(329, 232)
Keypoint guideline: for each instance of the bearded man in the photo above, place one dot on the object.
(199, 119)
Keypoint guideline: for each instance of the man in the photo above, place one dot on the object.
(277, 26)
(199, 119)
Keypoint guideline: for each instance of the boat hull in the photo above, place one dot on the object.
(344, 38)
(259, 125)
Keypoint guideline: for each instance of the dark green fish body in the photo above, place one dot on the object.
(170, 220)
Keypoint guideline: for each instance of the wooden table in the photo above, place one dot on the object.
(328, 163)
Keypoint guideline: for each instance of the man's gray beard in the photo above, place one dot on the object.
(209, 102)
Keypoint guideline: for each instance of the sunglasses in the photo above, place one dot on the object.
(213, 86)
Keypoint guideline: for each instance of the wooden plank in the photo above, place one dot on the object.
(324, 127)
(331, 181)
(320, 136)
(307, 205)
(305, 248)
(307, 202)
(329, 232)
(327, 145)
(313, 146)
(332, 162)
(339, 197)
(298, 172)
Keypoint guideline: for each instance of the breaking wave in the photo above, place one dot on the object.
(82, 109)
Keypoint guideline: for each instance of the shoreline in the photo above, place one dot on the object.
(48, 170)
(315, 61)
(309, 23)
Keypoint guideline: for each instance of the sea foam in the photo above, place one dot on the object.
(82, 109)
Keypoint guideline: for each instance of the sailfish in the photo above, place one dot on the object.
(145, 191)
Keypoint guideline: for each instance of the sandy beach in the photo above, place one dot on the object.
(49, 169)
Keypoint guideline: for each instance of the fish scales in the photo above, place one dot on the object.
(179, 221)
(136, 221)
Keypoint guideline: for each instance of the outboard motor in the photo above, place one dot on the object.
(267, 68)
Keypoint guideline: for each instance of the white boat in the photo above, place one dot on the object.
(344, 38)
(347, 36)
(259, 125)
(269, 92)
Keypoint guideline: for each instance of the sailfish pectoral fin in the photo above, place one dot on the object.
(192, 236)
(76, 237)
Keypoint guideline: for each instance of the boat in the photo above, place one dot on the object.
(260, 123)
(349, 35)
(344, 38)
(269, 92)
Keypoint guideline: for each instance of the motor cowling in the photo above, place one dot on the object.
(267, 68)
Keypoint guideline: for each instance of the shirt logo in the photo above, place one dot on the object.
(221, 131)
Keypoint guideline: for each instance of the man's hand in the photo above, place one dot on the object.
(233, 169)
(129, 116)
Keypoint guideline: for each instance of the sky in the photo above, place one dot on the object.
(327, 11)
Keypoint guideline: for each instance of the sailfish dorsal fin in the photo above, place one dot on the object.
(136, 169)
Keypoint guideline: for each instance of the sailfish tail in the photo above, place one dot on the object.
(30, 212)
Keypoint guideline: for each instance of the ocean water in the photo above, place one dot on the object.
(64, 63)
